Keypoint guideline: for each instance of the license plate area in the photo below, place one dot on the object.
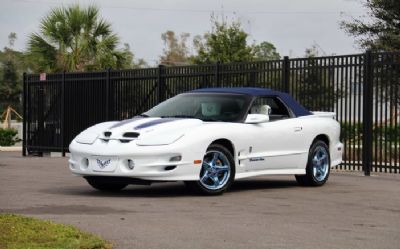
(104, 163)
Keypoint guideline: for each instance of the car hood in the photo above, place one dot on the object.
(142, 131)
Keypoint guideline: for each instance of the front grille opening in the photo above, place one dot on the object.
(131, 134)
(107, 134)
(105, 140)
(124, 140)
(170, 167)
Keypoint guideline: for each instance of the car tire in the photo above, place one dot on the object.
(318, 166)
(217, 173)
(105, 186)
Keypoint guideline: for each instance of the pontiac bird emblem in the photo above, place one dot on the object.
(103, 164)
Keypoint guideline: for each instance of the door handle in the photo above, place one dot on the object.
(297, 129)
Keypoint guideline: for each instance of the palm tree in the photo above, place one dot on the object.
(75, 39)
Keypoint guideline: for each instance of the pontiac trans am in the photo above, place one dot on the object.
(208, 138)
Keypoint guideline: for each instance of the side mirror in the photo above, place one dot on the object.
(256, 118)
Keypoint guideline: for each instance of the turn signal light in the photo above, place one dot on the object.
(197, 161)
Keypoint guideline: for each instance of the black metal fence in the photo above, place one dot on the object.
(363, 89)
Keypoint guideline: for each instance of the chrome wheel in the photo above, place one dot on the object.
(320, 163)
(216, 170)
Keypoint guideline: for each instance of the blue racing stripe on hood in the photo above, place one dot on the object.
(156, 122)
(127, 121)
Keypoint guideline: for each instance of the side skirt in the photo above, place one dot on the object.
(271, 172)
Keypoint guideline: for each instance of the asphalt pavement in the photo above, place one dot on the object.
(350, 211)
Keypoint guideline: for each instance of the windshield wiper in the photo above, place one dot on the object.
(142, 115)
(189, 116)
(210, 120)
(178, 116)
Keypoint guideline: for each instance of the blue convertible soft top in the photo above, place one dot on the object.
(297, 109)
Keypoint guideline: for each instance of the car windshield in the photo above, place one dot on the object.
(207, 107)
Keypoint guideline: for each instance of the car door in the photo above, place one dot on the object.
(276, 144)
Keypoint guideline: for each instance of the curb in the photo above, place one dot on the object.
(10, 148)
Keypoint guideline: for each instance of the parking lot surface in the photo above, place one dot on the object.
(350, 211)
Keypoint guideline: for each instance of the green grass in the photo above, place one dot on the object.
(21, 232)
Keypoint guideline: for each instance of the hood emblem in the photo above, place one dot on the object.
(103, 164)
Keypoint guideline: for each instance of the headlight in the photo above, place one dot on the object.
(175, 158)
(86, 138)
(158, 140)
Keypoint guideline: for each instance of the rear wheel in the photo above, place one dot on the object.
(217, 172)
(105, 186)
(318, 166)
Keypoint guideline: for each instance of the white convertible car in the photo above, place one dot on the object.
(208, 138)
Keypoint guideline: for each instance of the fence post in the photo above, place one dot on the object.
(161, 84)
(216, 73)
(62, 113)
(41, 100)
(253, 77)
(108, 94)
(286, 74)
(24, 120)
(367, 114)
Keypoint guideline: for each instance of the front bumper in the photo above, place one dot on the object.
(150, 162)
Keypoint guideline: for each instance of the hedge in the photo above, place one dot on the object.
(386, 133)
(8, 137)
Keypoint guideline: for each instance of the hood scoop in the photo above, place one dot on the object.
(125, 138)
(131, 134)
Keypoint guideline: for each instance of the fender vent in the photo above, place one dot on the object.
(168, 168)
(131, 134)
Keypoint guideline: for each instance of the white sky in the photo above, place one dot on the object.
(291, 25)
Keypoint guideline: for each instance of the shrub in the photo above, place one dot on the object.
(388, 134)
(8, 137)
(351, 131)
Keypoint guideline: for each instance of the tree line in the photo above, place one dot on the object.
(74, 38)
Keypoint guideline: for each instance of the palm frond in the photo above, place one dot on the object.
(102, 28)
(74, 38)
(42, 52)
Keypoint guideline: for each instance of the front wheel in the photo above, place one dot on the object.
(318, 166)
(217, 172)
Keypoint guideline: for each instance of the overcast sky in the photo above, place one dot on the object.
(291, 25)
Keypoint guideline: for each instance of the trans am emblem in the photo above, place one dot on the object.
(103, 164)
